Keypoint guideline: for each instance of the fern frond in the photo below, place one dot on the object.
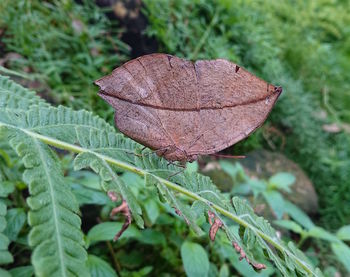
(100, 148)
(5, 255)
(14, 96)
(55, 234)
(110, 181)
(181, 208)
(285, 257)
(191, 185)
(61, 122)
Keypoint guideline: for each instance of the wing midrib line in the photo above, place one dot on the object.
(192, 109)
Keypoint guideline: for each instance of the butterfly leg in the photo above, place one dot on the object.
(176, 164)
(176, 173)
(163, 150)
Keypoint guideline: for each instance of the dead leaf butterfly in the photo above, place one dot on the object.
(183, 109)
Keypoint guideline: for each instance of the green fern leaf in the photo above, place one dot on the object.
(5, 255)
(5, 189)
(289, 259)
(60, 122)
(55, 234)
(110, 181)
(100, 148)
(14, 96)
(181, 209)
(95, 144)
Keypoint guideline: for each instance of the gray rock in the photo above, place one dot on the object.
(263, 164)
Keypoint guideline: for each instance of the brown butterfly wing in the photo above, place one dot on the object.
(147, 93)
(233, 103)
(196, 108)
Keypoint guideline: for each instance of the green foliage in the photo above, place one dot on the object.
(106, 231)
(340, 249)
(111, 181)
(256, 33)
(56, 235)
(16, 97)
(98, 267)
(302, 46)
(22, 271)
(270, 190)
(344, 233)
(301, 223)
(66, 45)
(195, 259)
(323, 156)
(12, 220)
(16, 218)
(5, 255)
(5, 189)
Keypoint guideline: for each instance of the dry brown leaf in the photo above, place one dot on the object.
(243, 255)
(215, 226)
(122, 208)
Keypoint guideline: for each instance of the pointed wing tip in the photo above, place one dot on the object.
(104, 96)
(276, 92)
(100, 91)
(98, 82)
(103, 81)
(278, 89)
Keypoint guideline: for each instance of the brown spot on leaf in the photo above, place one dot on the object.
(178, 212)
(112, 195)
(124, 209)
(243, 255)
(215, 226)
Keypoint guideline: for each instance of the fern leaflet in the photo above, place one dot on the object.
(5, 255)
(14, 96)
(55, 234)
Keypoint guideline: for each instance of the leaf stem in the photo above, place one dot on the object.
(205, 35)
(303, 237)
(114, 258)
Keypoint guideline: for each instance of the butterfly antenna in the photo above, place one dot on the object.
(176, 173)
(227, 156)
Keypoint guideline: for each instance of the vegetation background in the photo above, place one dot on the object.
(60, 47)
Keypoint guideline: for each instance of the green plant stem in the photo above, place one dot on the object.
(15, 73)
(77, 149)
(205, 35)
(328, 106)
(114, 258)
(302, 240)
